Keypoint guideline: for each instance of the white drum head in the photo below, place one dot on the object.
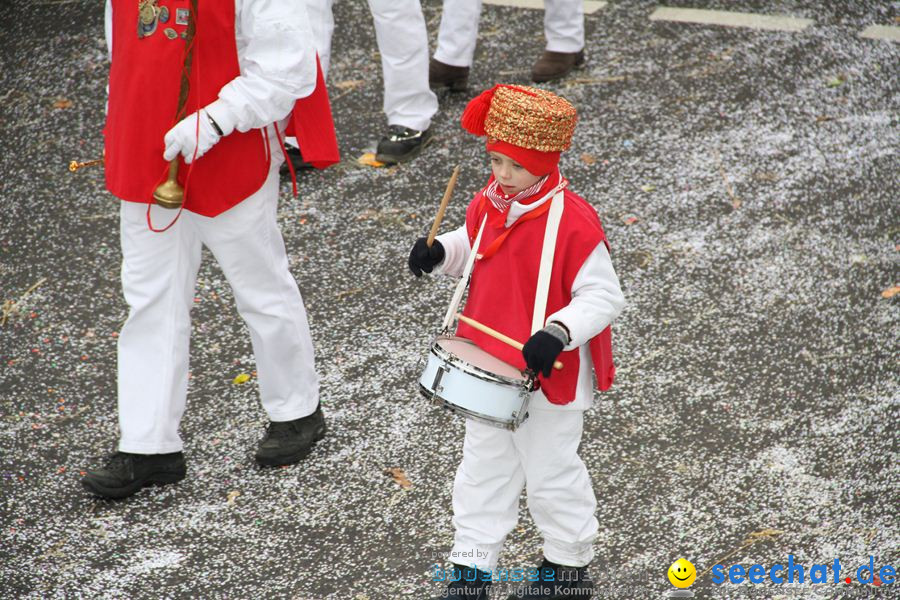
(472, 354)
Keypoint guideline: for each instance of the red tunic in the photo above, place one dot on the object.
(503, 285)
(144, 83)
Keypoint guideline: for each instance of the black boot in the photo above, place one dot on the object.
(288, 442)
(557, 582)
(401, 144)
(125, 473)
(297, 161)
(466, 583)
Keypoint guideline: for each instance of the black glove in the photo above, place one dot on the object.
(541, 350)
(423, 258)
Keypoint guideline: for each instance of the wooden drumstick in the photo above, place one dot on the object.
(498, 336)
(440, 213)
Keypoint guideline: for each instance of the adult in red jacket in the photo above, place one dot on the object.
(250, 63)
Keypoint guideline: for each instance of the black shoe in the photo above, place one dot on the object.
(126, 473)
(288, 442)
(441, 75)
(401, 144)
(470, 584)
(557, 582)
(296, 157)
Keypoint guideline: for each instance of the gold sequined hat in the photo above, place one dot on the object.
(534, 124)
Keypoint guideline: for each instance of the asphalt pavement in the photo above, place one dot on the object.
(747, 180)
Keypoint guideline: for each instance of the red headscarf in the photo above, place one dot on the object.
(535, 162)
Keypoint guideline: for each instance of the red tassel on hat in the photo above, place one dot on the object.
(476, 112)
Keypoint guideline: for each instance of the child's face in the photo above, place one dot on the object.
(512, 176)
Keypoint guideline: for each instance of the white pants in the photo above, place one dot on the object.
(563, 28)
(321, 22)
(403, 44)
(159, 272)
(542, 456)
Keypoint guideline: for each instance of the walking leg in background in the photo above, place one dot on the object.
(457, 37)
(409, 103)
(321, 21)
(564, 30)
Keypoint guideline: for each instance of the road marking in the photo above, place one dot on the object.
(589, 6)
(881, 32)
(731, 19)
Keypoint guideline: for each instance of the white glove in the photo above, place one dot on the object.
(186, 137)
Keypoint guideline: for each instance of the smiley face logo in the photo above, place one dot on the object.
(682, 573)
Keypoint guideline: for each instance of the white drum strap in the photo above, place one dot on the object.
(464, 280)
(547, 252)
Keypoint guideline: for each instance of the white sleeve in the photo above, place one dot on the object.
(456, 252)
(596, 299)
(107, 28)
(277, 59)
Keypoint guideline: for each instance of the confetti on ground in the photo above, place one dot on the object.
(399, 476)
(368, 160)
(890, 292)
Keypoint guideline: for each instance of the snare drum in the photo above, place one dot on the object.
(465, 379)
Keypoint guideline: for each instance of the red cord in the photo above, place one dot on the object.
(190, 168)
(286, 158)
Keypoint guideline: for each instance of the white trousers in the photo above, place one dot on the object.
(159, 273)
(563, 29)
(403, 45)
(321, 23)
(542, 457)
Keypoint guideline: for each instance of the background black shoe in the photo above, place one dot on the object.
(125, 473)
(476, 589)
(288, 442)
(296, 157)
(401, 144)
(557, 582)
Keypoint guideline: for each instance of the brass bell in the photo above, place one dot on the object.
(169, 194)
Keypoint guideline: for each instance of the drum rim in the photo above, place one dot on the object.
(512, 425)
(526, 384)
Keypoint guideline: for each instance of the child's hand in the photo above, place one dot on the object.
(423, 258)
(541, 349)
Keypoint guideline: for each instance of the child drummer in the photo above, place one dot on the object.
(527, 129)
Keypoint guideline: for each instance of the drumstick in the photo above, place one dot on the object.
(440, 213)
(498, 336)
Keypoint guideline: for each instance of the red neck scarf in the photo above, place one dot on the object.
(497, 218)
(502, 201)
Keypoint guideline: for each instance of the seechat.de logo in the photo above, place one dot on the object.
(681, 574)
(791, 571)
